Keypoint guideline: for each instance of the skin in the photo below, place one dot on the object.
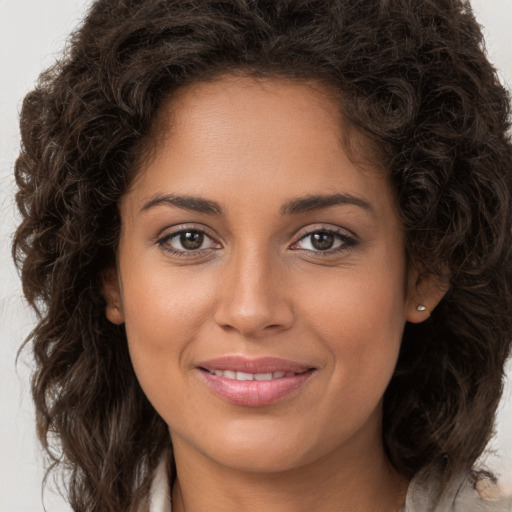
(257, 287)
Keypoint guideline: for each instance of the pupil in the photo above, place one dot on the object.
(191, 240)
(322, 241)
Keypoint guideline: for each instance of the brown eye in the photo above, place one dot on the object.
(187, 241)
(322, 241)
(191, 240)
(325, 241)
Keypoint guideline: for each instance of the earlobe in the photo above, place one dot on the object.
(112, 296)
(426, 290)
(114, 314)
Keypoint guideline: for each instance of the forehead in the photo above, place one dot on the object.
(238, 104)
(272, 136)
(242, 94)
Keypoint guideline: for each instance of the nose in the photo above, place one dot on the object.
(254, 299)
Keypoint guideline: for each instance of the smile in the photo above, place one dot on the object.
(244, 376)
(253, 382)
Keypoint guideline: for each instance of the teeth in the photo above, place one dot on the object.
(244, 376)
(263, 376)
(229, 374)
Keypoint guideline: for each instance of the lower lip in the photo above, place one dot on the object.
(254, 393)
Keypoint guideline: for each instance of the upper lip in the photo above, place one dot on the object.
(254, 365)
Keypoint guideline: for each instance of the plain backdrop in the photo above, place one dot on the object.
(32, 32)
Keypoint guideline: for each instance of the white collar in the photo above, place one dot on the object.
(159, 499)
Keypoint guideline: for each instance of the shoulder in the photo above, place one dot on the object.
(429, 492)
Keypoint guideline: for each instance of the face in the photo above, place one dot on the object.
(261, 277)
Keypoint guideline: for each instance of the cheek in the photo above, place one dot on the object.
(164, 302)
(164, 312)
(359, 317)
(366, 305)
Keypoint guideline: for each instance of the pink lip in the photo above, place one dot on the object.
(260, 365)
(254, 393)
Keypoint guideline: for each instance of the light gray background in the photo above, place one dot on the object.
(32, 32)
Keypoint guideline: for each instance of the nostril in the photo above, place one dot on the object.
(253, 318)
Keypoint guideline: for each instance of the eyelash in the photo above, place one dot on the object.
(347, 242)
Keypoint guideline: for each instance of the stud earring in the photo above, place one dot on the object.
(422, 307)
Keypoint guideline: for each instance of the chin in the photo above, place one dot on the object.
(259, 448)
(262, 459)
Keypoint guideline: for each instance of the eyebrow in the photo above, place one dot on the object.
(292, 207)
(195, 204)
(317, 202)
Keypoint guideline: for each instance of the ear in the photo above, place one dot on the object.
(112, 295)
(425, 291)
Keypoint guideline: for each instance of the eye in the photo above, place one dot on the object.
(187, 241)
(325, 240)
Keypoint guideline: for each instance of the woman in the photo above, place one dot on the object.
(270, 244)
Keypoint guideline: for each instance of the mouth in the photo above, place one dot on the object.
(254, 382)
(245, 376)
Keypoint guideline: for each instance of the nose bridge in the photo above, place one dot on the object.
(254, 299)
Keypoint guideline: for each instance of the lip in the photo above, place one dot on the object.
(259, 365)
(254, 393)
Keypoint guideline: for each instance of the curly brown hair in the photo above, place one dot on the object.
(412, 75)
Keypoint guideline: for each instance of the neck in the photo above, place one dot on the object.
(349, 480)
